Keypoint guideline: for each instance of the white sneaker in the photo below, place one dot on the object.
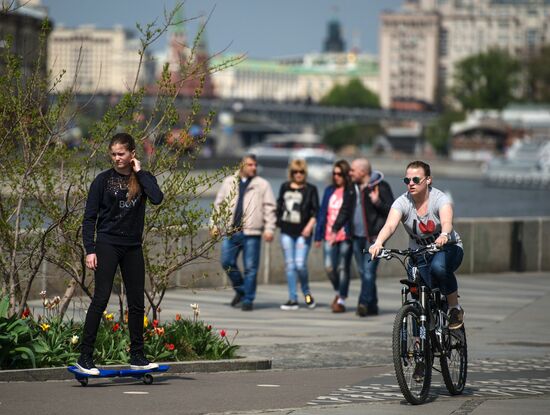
(140, 362)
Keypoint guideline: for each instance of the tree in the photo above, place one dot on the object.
(354, 94)
(44, 184)
(351, 134)
(538, 76)
(487, 80)
(437, 132)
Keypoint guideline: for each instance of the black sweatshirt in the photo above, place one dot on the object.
(110, 216)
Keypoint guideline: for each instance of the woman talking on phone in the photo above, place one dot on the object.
(112, 232)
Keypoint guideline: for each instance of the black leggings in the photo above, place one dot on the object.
(132, 267)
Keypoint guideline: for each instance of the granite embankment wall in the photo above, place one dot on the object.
(491, 245)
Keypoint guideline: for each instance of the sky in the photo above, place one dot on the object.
(259, 28)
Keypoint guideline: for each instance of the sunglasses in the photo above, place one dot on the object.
(415, 180)
(337, 173)
(298, 171)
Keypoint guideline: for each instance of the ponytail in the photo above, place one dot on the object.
(128, 141)
(133, 186)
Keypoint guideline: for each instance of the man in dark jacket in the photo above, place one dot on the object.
(373, 199)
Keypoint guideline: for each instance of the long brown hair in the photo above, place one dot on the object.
(129, 143)
(344, 168)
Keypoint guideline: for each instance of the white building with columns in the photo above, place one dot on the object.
(303, 78)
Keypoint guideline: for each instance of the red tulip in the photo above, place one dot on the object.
(169, 346)
(116, 327)
(155, 323)
(222, 333)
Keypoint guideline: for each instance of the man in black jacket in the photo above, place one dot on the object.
(373, 199)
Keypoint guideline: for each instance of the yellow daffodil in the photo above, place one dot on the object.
(45, 327)
(74, 339)
(109, 317)
(145, 321)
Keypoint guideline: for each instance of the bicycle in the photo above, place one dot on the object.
(421, 333)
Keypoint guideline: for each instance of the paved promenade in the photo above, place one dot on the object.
(324, 363)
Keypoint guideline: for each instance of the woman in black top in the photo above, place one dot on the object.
(297, 207)
(112, 230)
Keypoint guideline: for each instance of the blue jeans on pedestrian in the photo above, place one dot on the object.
(250, 246)
(367, 273)
(438, 270)
(337, 265)
(295, 251)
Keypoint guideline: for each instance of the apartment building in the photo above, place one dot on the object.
(94, 60)
(452, 30)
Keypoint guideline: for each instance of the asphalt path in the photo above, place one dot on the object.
(332, 364)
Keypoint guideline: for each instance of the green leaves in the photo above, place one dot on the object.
(487, 80)
(354, 94)
(17, 348)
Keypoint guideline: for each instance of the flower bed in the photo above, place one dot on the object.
(49, 341)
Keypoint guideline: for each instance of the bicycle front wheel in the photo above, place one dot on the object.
(454, 360)
(413, 368)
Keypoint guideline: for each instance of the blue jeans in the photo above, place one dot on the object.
(250, 246)
(367, 273)
(438, 270)
(295, 251)
(337, 265)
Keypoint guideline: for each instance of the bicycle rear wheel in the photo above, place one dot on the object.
(454, 362)
(407, 356)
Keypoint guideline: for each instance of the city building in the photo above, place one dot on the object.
(22, 21)
(421, 44)
(304, 78)
(97, 61)
(188, 66)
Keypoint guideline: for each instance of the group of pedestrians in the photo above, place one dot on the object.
(353, 209)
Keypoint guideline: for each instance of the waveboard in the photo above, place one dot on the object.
(143, 374)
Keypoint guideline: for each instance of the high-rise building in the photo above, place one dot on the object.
(101, 61)
(452, 30)
(22, 22)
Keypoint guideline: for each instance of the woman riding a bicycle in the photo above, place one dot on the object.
(427, 215)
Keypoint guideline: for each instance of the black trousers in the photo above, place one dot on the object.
(132, 267)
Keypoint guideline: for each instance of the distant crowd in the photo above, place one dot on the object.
(344, 222)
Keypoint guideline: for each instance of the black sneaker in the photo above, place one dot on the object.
(246, 307)
(290, 305)
(139, 362)
(310, 302)
(456, 318)
(236, 300)
(85, 364)
(418, 374)
(362, 310)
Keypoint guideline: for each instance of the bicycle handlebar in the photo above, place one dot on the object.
(388, 253)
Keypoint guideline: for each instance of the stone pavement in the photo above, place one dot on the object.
(508, 348)
(506, 316)
(508, 342)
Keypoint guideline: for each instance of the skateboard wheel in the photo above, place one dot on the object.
(83, 382)
(148, 379)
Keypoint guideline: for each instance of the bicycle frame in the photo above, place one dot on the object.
(416, 292)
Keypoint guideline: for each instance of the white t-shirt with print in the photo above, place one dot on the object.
(423, 230)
